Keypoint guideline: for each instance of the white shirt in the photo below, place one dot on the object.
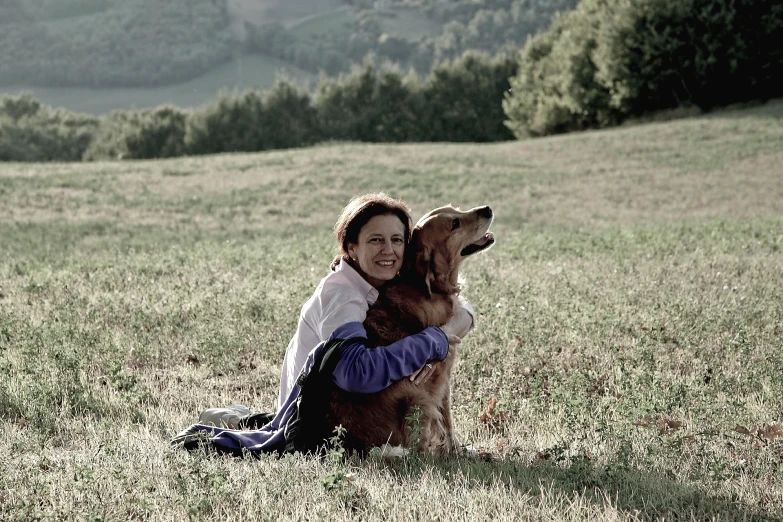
(343, 296)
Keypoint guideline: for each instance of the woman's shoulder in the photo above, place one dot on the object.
(339, 286)
(336, 301)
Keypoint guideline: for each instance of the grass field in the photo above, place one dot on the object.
(629, 328)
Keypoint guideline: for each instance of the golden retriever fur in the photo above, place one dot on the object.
(423, 295)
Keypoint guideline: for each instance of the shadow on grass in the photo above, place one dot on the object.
(644, 495)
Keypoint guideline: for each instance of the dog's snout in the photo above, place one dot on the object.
(486, 211)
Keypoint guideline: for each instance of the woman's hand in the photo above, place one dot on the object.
(425, 372)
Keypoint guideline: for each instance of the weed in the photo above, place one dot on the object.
(338, 478)
(414, 424)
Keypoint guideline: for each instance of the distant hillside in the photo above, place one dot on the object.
(241, 73)
(287, 13)
(150, 52)
(113, 43)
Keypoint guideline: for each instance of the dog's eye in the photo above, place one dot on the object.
(455, 224)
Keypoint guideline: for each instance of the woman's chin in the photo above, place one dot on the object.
(385, 275)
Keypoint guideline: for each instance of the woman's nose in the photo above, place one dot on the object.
(387, 247)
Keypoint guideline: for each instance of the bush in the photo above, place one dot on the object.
(346, 105)
(401, 107)
(156, 133)
(228, 125)
(288, 118)
(464, 99)
(30, 131)
(372, 104)
(253, 121)
(555, 89)
(458, 102)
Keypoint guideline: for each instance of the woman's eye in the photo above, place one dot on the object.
(455, 224)
(398, 240)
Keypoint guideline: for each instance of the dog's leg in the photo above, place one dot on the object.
(435, 438)
(452, 444)
(449, 441)
(425, 436)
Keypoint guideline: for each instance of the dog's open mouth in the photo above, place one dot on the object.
(483, 243)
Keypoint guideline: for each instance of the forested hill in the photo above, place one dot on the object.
(146, 43)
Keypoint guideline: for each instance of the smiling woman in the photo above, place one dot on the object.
(377, 253)
(372, 233)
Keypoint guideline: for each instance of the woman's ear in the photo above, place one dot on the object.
(352, 251)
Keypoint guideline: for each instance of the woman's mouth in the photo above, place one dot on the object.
(386, 264)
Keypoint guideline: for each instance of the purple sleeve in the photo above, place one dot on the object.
(370, 370)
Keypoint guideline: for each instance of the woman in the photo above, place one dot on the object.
(372, 232)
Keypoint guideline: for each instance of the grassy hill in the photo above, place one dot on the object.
(629, 327)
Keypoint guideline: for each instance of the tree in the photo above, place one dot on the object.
(659, 54)
(464, 99)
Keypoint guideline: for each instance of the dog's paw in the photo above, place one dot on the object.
(388, 452)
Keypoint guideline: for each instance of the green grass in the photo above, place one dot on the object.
(635, 285)
(245, 72)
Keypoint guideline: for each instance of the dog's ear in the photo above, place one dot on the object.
(443, 271)
(418, 260)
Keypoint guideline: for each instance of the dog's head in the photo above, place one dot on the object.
(441, 240)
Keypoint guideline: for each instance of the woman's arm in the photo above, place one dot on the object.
(463, 320)
(370, 370)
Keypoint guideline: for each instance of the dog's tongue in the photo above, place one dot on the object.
(476, 246)
(484, 240)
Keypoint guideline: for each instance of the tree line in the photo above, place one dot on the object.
(457, 102)
(596, 66)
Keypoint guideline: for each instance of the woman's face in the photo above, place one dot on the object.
(380, 248)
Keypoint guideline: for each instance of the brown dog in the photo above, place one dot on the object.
(424, 295)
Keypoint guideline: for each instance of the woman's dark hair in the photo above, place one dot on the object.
(362, 209)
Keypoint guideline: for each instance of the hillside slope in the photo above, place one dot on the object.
(625, 363)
